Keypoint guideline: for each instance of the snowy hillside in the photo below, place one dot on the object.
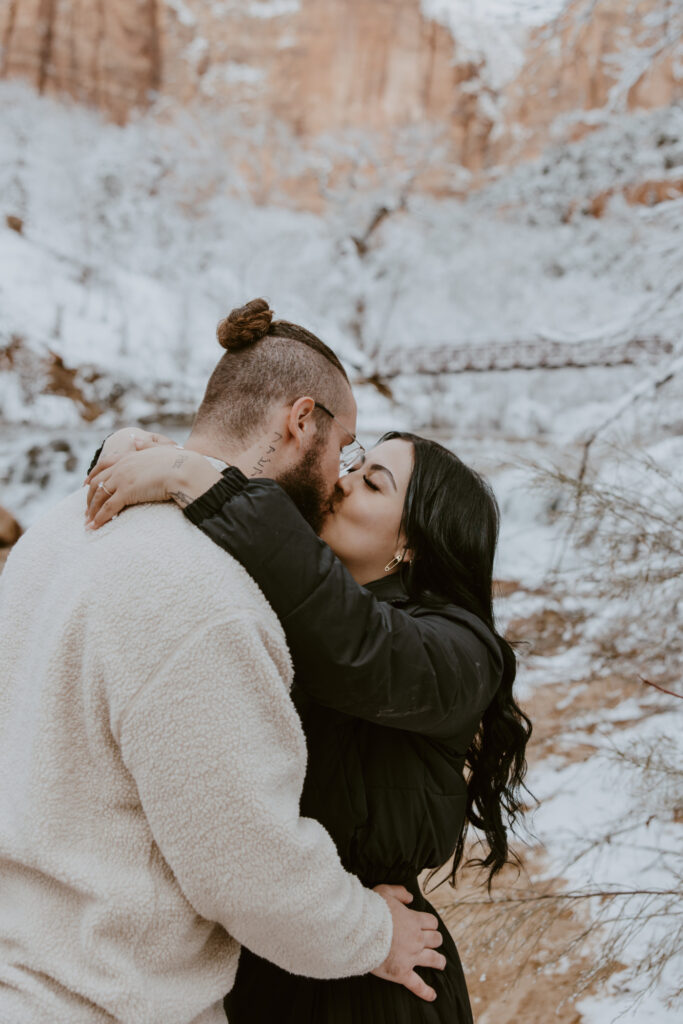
(136, 241)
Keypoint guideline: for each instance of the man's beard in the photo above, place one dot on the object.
(305, 485)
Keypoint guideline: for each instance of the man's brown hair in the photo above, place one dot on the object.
(267, 361)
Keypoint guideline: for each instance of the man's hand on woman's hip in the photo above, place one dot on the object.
(415, 940)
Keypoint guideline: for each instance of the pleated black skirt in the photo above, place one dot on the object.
(265, 994)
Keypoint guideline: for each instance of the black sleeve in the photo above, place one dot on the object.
(96, 456)
(430, 672)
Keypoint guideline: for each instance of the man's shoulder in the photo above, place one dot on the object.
(149, 557)
(155, 550)
(159, 534)
(161, 537)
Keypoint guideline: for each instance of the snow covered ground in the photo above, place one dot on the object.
(135, 241)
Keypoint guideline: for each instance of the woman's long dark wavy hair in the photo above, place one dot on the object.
(450, 523)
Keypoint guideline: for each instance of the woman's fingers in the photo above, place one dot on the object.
(96, 494)
(124, 442)
(94, 498)
(153, 441)
(418, 987)
(104, 463)
(111, 507)
(162, 439)
(143, 476)
(99, 497)
(121, 442)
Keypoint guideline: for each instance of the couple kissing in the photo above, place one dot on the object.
(251, 688)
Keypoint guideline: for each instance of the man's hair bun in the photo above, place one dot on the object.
(245, 325)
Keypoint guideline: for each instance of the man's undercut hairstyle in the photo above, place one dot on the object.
(267, 361)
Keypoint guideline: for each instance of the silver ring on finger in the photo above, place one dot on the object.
(105, 489)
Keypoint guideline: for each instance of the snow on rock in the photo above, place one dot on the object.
(272, 8)
(479, 36)
(492, 32)
(182, 12)
(528, 12)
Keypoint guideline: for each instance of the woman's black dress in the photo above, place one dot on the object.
(390, 694)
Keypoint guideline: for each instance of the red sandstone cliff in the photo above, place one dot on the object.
(380, 68)
(599, 57)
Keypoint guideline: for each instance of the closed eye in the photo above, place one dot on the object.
(373, 487)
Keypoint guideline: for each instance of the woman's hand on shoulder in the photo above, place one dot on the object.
(158, 473)
(127, 440)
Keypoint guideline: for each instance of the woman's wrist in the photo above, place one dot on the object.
(191, 475)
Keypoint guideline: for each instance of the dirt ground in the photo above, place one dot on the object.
(515, 958)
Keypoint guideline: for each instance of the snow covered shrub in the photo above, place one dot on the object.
(625, 522)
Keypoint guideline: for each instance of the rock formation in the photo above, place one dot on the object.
(10, 532)
(105, 54)
(598, 58)
(381, 69)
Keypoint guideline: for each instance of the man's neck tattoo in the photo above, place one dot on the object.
(259, 468)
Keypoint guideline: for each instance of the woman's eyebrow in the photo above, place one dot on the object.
(383, 469)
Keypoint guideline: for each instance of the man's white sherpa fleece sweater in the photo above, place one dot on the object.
(151, 764)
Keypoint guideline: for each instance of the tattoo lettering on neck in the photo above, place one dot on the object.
(181, 498)
(262, 462)
(180, 460)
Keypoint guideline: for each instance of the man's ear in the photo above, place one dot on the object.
(300, 421)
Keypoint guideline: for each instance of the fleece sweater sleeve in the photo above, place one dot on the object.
(218, 756)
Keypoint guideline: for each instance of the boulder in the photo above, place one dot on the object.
(10, 531)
